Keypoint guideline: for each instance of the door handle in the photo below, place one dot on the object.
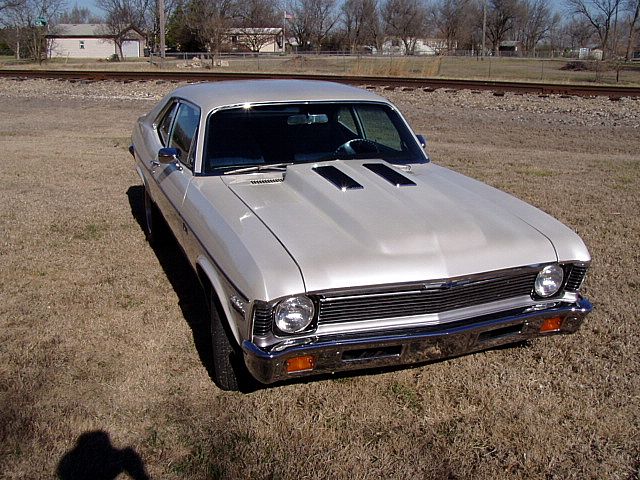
(154, 163)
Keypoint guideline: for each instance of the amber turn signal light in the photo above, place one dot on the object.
(552, 324)
(300, 364)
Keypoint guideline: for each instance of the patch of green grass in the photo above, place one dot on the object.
(406, 396)
(534, 172)
(92, 231)
(89, 232)
(119, 142)
(128, 302)
(626, 179)
(199, 462)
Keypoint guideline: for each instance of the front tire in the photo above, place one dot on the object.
(225, 357)
(154, 226)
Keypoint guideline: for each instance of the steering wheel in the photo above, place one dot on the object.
(356, 146)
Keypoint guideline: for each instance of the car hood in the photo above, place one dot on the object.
(382, 233)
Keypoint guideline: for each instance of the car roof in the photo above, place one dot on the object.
(209, 96)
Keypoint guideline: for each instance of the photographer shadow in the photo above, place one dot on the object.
(95, 458)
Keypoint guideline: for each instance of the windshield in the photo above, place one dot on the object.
(301, 133)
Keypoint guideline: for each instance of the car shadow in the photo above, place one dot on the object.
(191, 298)
(94, 458)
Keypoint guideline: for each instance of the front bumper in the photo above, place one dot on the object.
(339, 353)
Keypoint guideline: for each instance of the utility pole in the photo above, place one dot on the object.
(161, 21)
(484, 26)
(615, 32)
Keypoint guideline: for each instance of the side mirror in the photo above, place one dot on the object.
(168, 155)
(422, 140)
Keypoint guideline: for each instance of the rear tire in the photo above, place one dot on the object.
(225, 358)
(155, 228)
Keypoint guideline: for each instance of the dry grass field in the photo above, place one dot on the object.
(104, 358)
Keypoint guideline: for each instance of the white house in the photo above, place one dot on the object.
(423, 46)
(90, 40)
(263, 40)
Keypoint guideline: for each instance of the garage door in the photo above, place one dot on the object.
(131, 48)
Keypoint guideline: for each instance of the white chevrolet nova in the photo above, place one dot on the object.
(326, 240)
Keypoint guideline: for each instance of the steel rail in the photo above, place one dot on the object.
(611, 91)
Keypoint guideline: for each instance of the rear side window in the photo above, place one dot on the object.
(184, 132)
(164, 125)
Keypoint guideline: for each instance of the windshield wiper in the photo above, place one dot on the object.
(278, 167)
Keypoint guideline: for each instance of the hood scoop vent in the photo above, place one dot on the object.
(262, 181)
(389, 174)
(340, 179)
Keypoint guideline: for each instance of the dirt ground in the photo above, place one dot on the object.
(104, 361)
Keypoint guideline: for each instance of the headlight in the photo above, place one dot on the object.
(549, 280)
(294, 314)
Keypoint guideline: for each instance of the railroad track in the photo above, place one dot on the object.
(613, 92)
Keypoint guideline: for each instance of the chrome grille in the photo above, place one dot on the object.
(423, 301)
(575, 278)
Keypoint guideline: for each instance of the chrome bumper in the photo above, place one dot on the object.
(347, 352)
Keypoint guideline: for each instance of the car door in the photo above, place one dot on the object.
(177, 129)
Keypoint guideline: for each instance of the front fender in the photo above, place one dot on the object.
(222, 289)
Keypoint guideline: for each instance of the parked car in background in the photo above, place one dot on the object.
(327, 240)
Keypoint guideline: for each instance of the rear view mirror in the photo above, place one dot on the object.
(307, 119)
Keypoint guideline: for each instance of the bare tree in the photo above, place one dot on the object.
(633, 9)
(9, 4)
(406, 21)
(27, 23)
(152, 18)
(312, 21)
(599, 14)
(536, 21)
(577, 33)
(211, 20)
(469, 28)
(121, 16)
(501, 16)
(253, 17)
(78, 15)
(361, 22)
(449, 19)
(9, 31)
